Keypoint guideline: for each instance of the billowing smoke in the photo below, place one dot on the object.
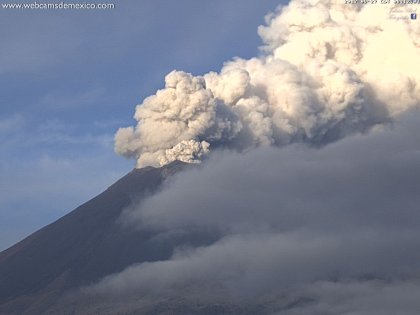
(326, 70)
(298, 230)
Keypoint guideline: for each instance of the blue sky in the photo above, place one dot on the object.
(70, 79)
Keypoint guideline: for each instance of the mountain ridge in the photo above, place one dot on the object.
(85, 245)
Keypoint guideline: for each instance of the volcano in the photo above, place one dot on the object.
(84, 246)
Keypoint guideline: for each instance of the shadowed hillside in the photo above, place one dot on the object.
(83, 246)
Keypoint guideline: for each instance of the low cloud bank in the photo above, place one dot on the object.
(321, 231)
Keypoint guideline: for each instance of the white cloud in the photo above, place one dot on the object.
(321, 77)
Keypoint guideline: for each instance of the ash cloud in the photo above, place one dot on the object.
(326, 70)
(300, 230)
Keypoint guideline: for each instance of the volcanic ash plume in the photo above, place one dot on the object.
(326, 70)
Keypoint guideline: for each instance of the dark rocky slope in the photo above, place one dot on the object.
(84, 246)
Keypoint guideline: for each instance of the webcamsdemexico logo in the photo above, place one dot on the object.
(57, 6)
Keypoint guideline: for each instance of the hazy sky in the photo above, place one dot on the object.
(69, 79)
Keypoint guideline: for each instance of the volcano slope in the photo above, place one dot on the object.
(85, 245)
